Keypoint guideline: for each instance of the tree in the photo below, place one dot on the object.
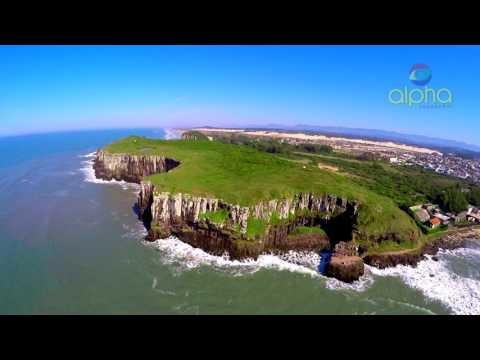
(453, 200)
(474, 196)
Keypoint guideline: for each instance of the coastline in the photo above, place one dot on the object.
(449, 240)
(166, 214)
(306, 137)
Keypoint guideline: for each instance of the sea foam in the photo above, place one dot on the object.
(171, 134)
(185, 257)
(438, 281)
(460, 294)
(89, 174)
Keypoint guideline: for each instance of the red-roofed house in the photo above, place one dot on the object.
(434, 222)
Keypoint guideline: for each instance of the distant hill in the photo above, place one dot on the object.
(443, 145)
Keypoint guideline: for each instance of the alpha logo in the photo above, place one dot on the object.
(422, 95)
(420, 74)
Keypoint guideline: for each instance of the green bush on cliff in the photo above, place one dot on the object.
(255, 228)
(216, 217)
(275, 218)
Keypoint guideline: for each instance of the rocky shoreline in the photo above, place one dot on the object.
(452, 239)
(183, 215)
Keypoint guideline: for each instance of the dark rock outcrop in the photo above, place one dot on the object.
(451, 240)
(384, 260)
(308, 242)
(345, 268)
(346, 248)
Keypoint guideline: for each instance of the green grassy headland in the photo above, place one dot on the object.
(243, 175)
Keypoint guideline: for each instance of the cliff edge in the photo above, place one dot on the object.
(233, 199)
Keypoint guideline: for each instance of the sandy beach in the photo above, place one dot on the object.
(306, 137)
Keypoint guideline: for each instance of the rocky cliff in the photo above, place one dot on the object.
(268, 226)
(130, 168)
(218, 227)
(186, 216)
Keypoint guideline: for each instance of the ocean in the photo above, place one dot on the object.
(72, 244)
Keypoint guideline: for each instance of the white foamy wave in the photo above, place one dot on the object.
(171, 134)
(311, 260)
(89, 176)
(439, 282)
(177, 252)
(411, 306)
(465, 252)
(362, 284)
(90, 155)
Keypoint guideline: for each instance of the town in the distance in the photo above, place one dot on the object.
(457, 209)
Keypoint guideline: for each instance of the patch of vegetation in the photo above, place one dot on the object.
(406, 185)
(453, 199)
(275, 218)
(308, 230)
(216, 217)
(255, 228)
(390, 245)
(474, 196)
(272, 146)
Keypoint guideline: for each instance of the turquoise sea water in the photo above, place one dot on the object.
(70, 244)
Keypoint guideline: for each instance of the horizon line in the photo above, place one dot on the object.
(251, 126)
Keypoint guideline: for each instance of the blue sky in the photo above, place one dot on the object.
(49, 88)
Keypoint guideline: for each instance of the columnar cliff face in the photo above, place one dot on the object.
(181, 214)
(130, 168)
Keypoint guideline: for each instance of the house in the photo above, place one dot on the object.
(443, 218)
(435, 222)
(461, 216)
(473, 217)
(422, 215)
(431, 207)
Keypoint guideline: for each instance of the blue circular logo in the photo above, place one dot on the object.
(420, 74)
